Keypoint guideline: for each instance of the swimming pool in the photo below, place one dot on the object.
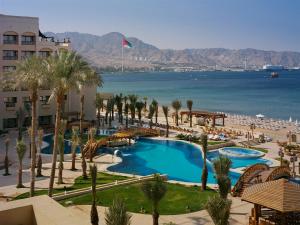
(180, 161)
(238, 152)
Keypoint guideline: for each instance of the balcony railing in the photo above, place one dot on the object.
(10, 42)
(28, 42)
(10, 57)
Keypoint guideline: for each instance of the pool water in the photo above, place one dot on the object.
(238, 161)
(238, 152)
(48, 149)
(179, 160)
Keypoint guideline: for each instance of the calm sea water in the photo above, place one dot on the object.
(247, 93)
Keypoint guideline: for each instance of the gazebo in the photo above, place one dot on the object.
(206, 115)
(275, 202)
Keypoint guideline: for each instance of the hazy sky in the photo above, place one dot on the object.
(262, 24)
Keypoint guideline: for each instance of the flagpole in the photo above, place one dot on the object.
(122, 57)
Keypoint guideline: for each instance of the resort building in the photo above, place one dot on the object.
(20, 37)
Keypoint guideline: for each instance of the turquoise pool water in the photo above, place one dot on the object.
(238, 152)
(179, 160)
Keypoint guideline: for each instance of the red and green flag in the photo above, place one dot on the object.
(126, 43)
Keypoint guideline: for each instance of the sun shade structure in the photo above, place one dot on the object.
(206, 115)
(281, 195)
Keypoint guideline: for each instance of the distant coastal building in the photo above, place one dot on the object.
(273, 67)
(20, 37)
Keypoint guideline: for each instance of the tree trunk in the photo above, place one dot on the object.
(204, 172)
(60, 172)
(55, 144)
(83, 163)
(6, 165)
(155, 217)
(39, 166)
(127, 121)
(73, 160)
(94, 214)
(33, 144)
(167, 133)
(20, 182)
(176, 117)
(191, 118)
(156, 115)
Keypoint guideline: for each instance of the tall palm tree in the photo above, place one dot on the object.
(6, 161)
(119, 104)
(20, 118)
(154, 192)
(112, 107)
(189, 104)
(39, 161)
(61, 147)
(176, 104)
(81, 144)
(91, 133)
(155, 105)
(203, 139)
(166, 112)
(21, 150)
(150, 115)
(109, 106)
(94, 212)
(145, 104)
(99, 105)
(126, 110)
(30, 74)
(139, 108)
(117, 213)
(222, 167)
(67, 71)
(132, 106)
(219, 209)
(75, 143)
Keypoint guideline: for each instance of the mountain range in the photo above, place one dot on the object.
(105, 51)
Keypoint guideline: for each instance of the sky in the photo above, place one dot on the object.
(176, 24)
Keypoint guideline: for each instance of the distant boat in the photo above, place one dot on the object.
(274, 75)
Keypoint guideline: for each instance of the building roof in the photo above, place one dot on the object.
(281, 195)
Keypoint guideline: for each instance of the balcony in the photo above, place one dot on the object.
(10, 42)
(10, 57)
(28, 42)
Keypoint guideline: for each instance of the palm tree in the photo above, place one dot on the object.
(119, 104)
(67, 71)
(139, 107)
(126, 110)
(81, 144)
(150, 115)
(145, 104)
(166, 111)
(6, 161)
(29, 132)
(30, 74)
(94, 212)
(21, 150)
(99, 106)
(219, 209)
(155, 105)
(112, 107)
(176, 104)
(61, 148)
(222, 167)
(108, 111)
(203, 139)
(39, 161)
(189, 104)
(75, 143)
(117, 213)
(132, 106)
(20, 118)
(91, 136)
(154, 192)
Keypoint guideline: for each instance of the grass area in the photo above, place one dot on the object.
(103, 178)
(215, 142)
(179, 198)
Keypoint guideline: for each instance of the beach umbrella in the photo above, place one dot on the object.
(290, 120)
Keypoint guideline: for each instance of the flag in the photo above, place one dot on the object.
(126, 43)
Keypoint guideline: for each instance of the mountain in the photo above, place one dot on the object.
(105, 51)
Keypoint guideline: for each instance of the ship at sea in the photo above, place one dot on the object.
(274, 75)
(273, 67)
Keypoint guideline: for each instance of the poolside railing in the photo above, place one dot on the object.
(75, 193)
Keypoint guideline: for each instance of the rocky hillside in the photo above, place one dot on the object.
(105, 51)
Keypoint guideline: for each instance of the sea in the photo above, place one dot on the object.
(247, 93)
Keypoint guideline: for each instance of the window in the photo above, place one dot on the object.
(25, 54)
(10, 39)
(45, 120)
(26, 102)
(28, 40)
(8, 68)
(44, 54)
(9, 123)
(10, 101)
(44, 100)
(10, 55)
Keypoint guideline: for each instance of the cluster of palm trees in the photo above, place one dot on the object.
(60, 72)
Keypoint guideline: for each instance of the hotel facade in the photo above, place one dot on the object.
(20, 37)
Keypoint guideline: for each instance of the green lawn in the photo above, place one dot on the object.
(264, 150)
(215, 142)
(179, 199)
(103, 178)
